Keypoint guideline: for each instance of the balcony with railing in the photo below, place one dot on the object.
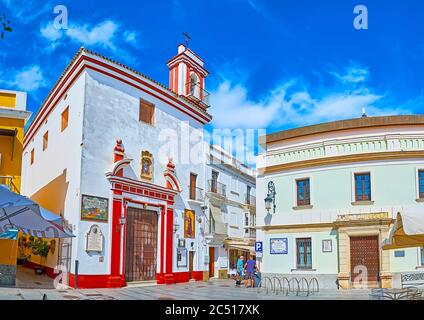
(250, 233)
(197, 94)
(217, 188)
(7, 181)
(250, 200)
(196, 194)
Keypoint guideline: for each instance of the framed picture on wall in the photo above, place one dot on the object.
(181, 257)
(278, 246)
(327, 245)
(94, 208)
(189, 224)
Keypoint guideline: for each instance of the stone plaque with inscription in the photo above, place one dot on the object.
(94, 239)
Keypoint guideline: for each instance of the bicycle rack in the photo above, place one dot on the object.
(286, 289)
(286, 286)
(276, 281)
(315, 286)
(294, 285)
(263, 285)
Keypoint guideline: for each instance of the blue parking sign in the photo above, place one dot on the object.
(258, 246)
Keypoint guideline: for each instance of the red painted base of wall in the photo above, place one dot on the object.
(90, 281)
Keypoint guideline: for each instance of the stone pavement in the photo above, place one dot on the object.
(211, 290)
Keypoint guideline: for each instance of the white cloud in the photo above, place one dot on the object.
(130, 37)
(102, 34)
(290, 106)
(354, 73)
(231, 108)
(50, 32)
(29, 78)
(106, 35)
(27, 11)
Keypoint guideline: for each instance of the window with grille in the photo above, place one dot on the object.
(363, 186)
(304, 253)
(303, 192)
(422, 257)
(147, 112)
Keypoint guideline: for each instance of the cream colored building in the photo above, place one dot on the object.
(338, 187)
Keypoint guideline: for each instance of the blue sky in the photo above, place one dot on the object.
(274, 64)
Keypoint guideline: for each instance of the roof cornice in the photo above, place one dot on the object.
(340, 125)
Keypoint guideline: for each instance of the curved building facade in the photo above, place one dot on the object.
(338, 188)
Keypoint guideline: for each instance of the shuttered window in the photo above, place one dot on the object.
(193, 186)
(45, 140)
(32, 156)
(147, 112)
(65, 117)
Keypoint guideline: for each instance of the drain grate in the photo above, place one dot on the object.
(165, 298)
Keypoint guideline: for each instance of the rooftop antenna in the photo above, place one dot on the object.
(187, 38)
(364, 113)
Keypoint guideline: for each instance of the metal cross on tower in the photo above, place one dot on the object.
(187, 38)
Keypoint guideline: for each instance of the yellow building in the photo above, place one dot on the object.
(13, 117)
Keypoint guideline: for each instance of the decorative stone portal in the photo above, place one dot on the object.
(360, 237)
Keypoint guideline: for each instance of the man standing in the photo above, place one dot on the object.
(250, 268)
(239, 269)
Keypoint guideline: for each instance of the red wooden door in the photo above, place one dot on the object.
(364, 251)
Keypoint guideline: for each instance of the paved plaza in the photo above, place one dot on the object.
(30, 287)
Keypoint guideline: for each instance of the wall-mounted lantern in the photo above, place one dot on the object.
(270, 198)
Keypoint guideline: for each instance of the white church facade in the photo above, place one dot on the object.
(106, 151)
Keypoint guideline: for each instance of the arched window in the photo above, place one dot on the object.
(194, 85)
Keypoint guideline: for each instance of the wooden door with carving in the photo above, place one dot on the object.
(141, 245)
(364, 251)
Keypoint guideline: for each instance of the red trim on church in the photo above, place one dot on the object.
(55, 97)
(158, 196)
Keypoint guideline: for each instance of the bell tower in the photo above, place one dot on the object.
(187, 76)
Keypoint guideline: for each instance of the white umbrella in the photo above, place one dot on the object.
(407, 231)
(20, 212)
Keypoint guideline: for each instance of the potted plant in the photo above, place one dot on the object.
(40, 248)
(23, 257)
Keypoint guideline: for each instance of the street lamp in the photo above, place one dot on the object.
(270, 198)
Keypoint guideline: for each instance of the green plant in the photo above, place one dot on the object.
(4, 25)
(40, 248)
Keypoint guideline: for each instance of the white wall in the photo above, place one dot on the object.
(61, 162)
(112, 112)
